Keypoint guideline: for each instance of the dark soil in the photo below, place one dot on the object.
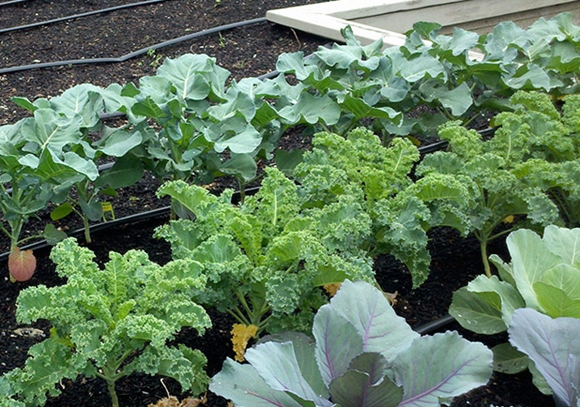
(245, 51)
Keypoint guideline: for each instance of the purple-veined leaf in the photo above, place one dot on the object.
(439, 367)
(243, 384)
(332, 332)
(278, 366)
(553, 346)
(368, 310)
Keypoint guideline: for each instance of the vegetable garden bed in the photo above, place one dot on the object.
(424, 293)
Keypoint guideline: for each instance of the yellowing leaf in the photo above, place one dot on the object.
(21, 264)
(173, 401)
(508, 219)
(331, 288)
(241, 335)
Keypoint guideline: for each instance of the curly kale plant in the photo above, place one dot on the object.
(492, 181)
(360, 167)
(363, 355)
(109, 323)
(266, 258)
(529, 170)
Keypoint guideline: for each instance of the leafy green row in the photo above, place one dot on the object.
(459, 75)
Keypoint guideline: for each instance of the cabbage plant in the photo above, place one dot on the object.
(544, 275)
(362, 354)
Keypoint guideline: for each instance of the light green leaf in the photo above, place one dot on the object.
(458, 100)
(555, 301)
(117, 143)
(294, 63)
(474, 313)
(240, 165)
(49, 129)
(507, 359)
(529, 77)
(508, 294)
(422, 67)
(126, 171)
(317, 108)
(565, 243)
(83, 100)
(531, 259)
(245, 141)
(186, 74)
(361, 109)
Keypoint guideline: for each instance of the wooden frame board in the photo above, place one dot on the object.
(390, 19)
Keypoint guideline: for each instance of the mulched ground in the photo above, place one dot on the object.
(246, 51)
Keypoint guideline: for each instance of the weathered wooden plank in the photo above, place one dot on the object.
(475, 15)
(372, 19)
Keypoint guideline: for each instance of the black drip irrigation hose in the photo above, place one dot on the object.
(435, 326)
(134, 54)
(9, 3)
(72, 17)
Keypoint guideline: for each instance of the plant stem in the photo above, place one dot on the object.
(87, 228)
(113, 393)
(483, 248)
(110, 377)
(15, 230)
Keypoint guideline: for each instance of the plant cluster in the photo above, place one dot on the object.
(190, 122)
(544, 276)
(363, 354)
(317, 221)
(109, 323)
(266, 258)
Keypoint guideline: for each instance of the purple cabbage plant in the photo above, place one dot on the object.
(362, 354)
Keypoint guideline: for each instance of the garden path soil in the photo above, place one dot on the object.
(245, 51)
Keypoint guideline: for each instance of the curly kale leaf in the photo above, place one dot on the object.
(359, 162)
